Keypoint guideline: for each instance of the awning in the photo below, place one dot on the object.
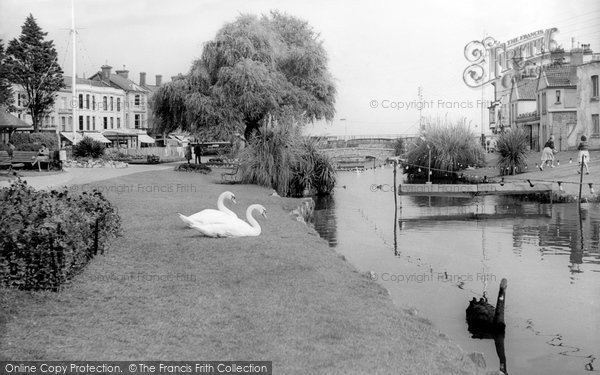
(97, 137)
(69, 136)
(143, 138)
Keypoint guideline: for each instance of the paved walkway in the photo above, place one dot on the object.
(74, 176)
(565, 171)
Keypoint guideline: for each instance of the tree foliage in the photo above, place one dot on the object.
(32, 62)
(6, 94)
(254, 69)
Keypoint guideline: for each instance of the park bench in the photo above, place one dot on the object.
(5, 161)
(22, 158)
(231, 175)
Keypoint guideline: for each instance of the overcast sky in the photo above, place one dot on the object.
(378, 50)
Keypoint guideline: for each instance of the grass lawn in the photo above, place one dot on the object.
(162, 292)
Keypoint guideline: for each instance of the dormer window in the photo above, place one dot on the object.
(557, 97)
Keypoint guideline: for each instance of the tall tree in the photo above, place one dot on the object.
(255, 68)
(32, 63)
(6, 94)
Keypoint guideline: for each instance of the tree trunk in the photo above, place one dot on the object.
(252, 127)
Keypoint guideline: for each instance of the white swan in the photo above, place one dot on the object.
(234, 227)
(212, 216)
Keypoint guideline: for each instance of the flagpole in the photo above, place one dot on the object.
(74, 102)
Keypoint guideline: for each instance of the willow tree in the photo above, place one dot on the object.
(255, 68)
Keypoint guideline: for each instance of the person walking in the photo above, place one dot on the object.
(584, 154)
(548, 153)
(197, 153)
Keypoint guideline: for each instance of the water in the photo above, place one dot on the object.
(549, 254)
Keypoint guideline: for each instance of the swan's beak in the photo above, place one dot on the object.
(233, 199)
(264, 213)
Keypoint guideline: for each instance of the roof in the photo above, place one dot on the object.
(527, 89)
(152, 88)
(84, 81)
(558, 76)
(9, 121)
(121, 82)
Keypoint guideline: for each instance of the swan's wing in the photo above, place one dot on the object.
(231, 228)
(185, 219)
(209, 216)
(205, 230)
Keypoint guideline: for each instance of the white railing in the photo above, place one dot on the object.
(159, 151)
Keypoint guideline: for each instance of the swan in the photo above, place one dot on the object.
(233, 226)
(483, 318)
(212, 216)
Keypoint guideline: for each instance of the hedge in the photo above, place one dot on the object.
(47, 237)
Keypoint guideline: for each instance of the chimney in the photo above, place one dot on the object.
(142, 79)
(576, 56)
(158, 80)
(106, 72)
(123, 73)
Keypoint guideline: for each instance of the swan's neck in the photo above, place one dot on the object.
(251, 218)
(221, 205)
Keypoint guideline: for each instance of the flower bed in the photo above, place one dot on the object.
(94, 163)
(47, 237)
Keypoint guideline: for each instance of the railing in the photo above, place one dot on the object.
(160, 151)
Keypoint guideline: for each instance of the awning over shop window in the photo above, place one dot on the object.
(69, 136)
(97, 137)
(143, 138)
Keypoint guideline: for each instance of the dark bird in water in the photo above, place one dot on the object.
(483, 319)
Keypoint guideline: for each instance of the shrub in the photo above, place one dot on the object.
(88, 147)
(115, 154)
(19, 139)
(453, 146)
(512, 147)
(314, 171)
(47, 237)
(28, 147)
(399, 147)
(269, 158)
(190, 167)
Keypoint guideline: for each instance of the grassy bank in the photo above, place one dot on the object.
(162, 292)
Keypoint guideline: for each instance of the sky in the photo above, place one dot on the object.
(380, 52)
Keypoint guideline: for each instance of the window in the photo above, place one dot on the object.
(543, 103)
(595, 86)
(595, 124)
(63, 123)
(112, 122)
(94, 123)
(557, 96)
(104, 103)
(87, 123)
(80, 101)
(118, 104)
(87, 101)
(80, 122)
(94, 102)
(71, 122)
(118, 122)
(137, 121)
(112, 108)
(105, 122)
(137, 101)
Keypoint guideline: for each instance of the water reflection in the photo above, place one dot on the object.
(549, 253)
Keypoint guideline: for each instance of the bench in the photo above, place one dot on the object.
(231, 175)
(5, 161)
(21, 158)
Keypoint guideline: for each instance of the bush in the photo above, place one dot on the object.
(191, 167)
(453, 146)
(47, 237)
(115, 154)
(512, 147)
(19, 139)
(28, 147)
(88, 147)
(399, 147)
(314, 171)
(269, 158)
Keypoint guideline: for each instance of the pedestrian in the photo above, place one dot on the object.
(584, 154)
(188, 153)
(548, 153)
(197, 153)
(11, 149)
